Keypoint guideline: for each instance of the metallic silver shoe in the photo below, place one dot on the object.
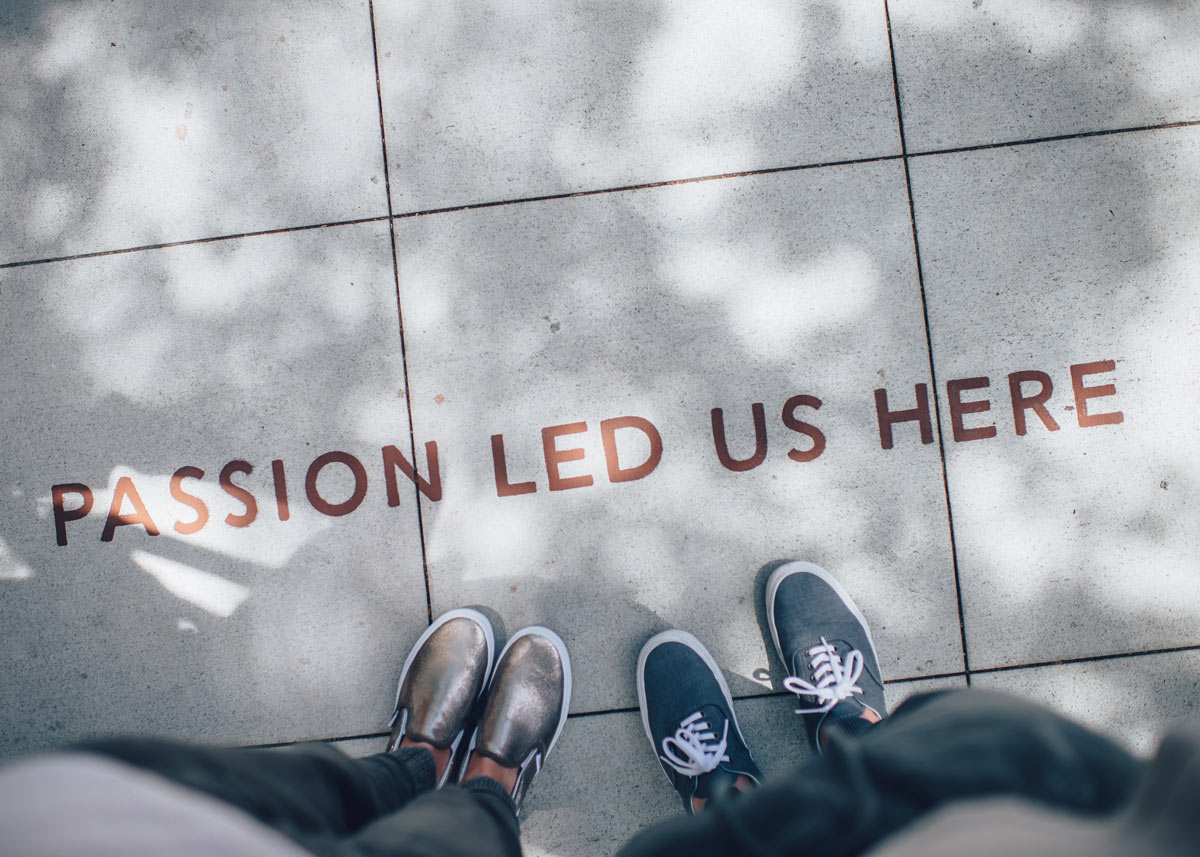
(443, 679)
(527, 705)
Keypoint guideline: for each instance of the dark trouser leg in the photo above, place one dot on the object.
(301, 791)
(935, 749)
(476, 820)
(334, 805)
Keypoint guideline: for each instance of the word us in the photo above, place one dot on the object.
(1028, 392)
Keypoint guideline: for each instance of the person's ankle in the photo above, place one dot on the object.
(482, 766)
(742, 784)
(441, 755)
(825, 732)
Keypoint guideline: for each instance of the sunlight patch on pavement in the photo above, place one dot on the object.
(210, 592)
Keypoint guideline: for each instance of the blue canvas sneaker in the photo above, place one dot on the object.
(824, 642)
(688, 714)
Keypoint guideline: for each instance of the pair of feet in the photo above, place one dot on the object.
(476, 720)
(823, 642)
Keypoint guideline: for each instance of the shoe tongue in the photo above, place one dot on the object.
(716, 785)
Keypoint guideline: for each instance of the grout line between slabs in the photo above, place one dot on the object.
(551, 197)
(1089, 659)
(980, 147)
(1055, 138)
(581, 715)
(874, 159)
(166, 245)
(937, 411)
(412, 440)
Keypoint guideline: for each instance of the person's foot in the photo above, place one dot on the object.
(442, 681)
(824, 642)
(525, 711)
(688, 714)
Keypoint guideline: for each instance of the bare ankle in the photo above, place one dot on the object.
(823, 733)
(742, 784)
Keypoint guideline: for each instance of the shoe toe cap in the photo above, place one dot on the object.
(527, 701)
(444, 681)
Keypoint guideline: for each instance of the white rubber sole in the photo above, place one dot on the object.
(677, 636)
(800, 567)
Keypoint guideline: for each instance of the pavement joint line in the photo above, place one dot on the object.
(780, 694)
(451, 209)
(1056, 138)
(167, 245)
(937, 410)
(954, 150)
(412, 438)
(1088, 659)
(551, 197)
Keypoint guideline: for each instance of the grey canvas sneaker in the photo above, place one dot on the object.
(526, 706)
(824, 642)
(443, 679)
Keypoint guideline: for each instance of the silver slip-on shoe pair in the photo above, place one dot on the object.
(448, 675)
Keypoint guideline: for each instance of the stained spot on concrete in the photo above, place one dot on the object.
(181, 132)
(283, 38)
(1163, 485)
(439, 398)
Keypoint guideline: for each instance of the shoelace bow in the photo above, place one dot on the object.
(694, 749)
(832, 679)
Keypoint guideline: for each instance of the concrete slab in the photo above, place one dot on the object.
(1071, 542)
(662, 305)
(984, 72)
(603, 782)
(1134, 700)
(494, 101)
(130, 123)
(122, 370)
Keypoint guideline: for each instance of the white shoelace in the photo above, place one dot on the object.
(694, 749)
(833, 679)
